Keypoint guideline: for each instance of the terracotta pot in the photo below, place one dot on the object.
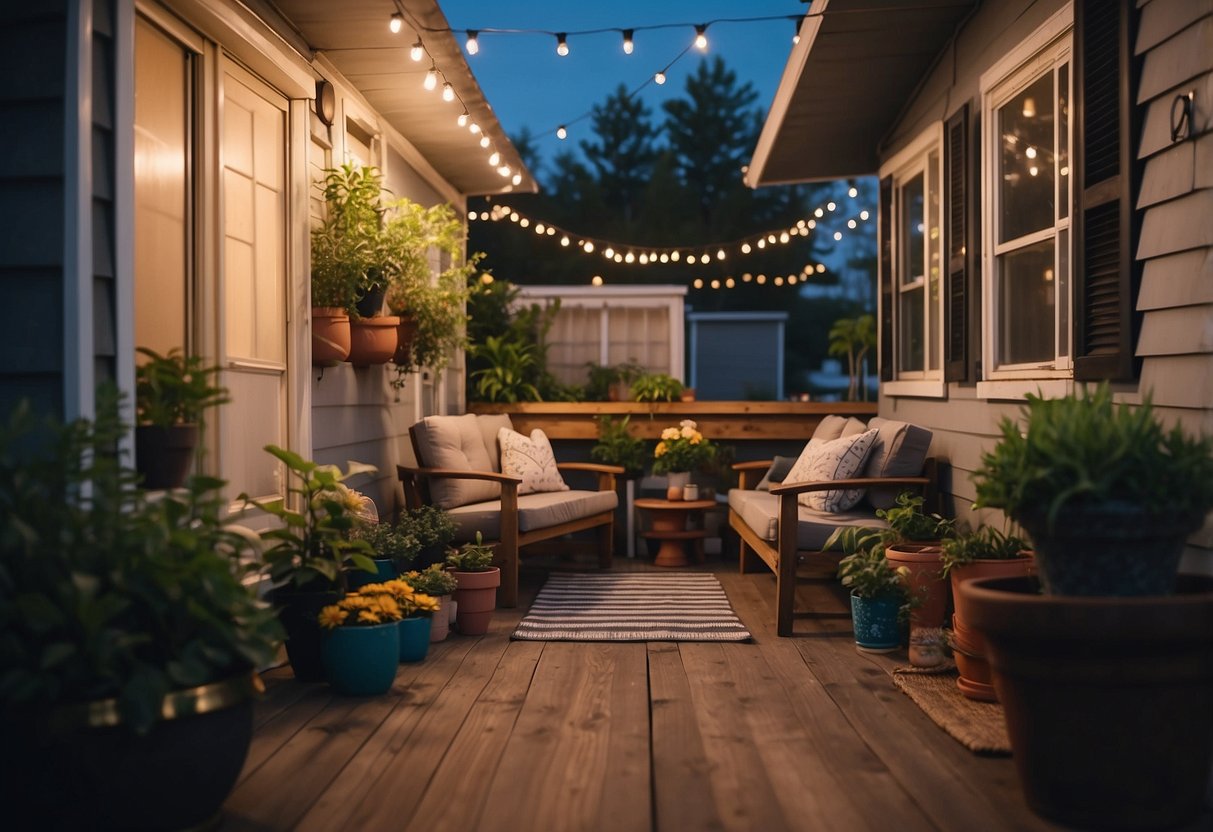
(925, 581)
(476, 598)
(1107, 699)
(373, 340)
(405, 333)
(330, 335)
(163, 455)
(974, 681)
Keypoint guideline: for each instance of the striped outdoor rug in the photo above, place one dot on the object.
(677, 606)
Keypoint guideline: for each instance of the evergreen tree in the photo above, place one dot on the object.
(622, 155)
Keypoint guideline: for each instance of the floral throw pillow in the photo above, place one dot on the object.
(837, 459)
(531, 459)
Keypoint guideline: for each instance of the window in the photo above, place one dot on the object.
(911, 272)
(1026, 222)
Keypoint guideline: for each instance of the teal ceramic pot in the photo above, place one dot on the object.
(414, 638)
(875, 620)
(361, 661)
(385, 570)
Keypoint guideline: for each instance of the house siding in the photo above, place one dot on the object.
(1175, 40)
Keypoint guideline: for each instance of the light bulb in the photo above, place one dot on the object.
(837, 235)
(504, 170)
(853, 192)
(561, 132)
(484, 141)
(494, 159)
(720, 254)
(629, 258)
(771, 238)
(851, 223)
(795, 30)
(472, 45)
(589, 247)
(1029, 107)
(746, 248)
(784, 237)
(417, 52)
(608, 252)
(761, 279)
(618, 258)
(830, 206)
(644, 259)
(729, 283)
(564, 242)
(674, 256)
(448, 92)
(819, 213)
(665, 257)
(396, 23)
(779, 281)
(518, 176)
(863, 215)
(1030, 153)
(474, 128)
(701, 37)
(659, 78)
(540, 228)
(517, 180)
(1033, 170)
(762, 243)
(462, 121)
(524, 223)
(791, 280)
(715, 284)
(596, 280)
(431, 78)
(747, 277)
(562, 44)
(821, 268)
(812, 223)
(698, 284)
(628, 46)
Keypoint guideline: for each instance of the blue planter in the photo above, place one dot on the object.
(414, 638)
(361, 661)
(875, 622)
(385, 570)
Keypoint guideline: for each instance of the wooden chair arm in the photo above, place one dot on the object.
(445, 473)
(863, 482)
(752, 465)
(606, 473)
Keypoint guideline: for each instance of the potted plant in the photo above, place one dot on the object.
(171, 393)
(617, 446)
(417, 609)
(1105, 676)
(437, 582)
(129, 639)
(878, 589)
(656, 387)
(914, 540)
(395, 550)
(983, 553)
(476, 586)
(504, 379)
(307, 556)
(360, 647)
(434, 530)
(680, 451)
(610, 382)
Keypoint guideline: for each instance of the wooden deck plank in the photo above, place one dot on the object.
(276, 730)
(579, 754)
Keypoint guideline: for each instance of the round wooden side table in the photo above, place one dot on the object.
(670, 527)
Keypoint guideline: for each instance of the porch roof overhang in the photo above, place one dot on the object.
(353, 36)
(847, 80)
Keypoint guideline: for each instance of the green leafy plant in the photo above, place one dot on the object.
(1084, 450)
(476, 556)
(682, 448)
(105, 593)
(984, 543)
(433, 580)
(864, 570)
(603, 378)
(504, 379)
(909, 523)
(175, 388)
(389, 541)
(349, 251)
(431, 526)
(656, 387)
(313, 545)
(617, 446)
(854, 337)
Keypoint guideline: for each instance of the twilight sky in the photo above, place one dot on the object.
(529, 85)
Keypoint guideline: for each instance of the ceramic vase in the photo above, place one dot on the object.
(414, 638)
(361, 661)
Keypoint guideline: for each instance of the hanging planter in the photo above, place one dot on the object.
(405, 335)
(373, 340)
(330, 336)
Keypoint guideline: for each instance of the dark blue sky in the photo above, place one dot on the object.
(529, 85)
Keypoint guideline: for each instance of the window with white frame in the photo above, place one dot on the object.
(1026, 217)
(915, 174)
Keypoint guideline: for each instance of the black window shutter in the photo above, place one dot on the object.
(886, 279)
(956, 237)
(1106, 179)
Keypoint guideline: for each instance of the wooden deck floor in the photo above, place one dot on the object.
(487, 734)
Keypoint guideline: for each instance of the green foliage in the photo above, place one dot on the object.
(429, 524)
(174, 389)
(854, 337)
(505, 377)
(313, 545)
(656, 387)
(1085, 451)
(507, 359)
(476, 556)
(603, 378)
(389, 541)
(348, 255)
(985, 543)
(616, 446)
(105, 593)
(864, 569)
(433, 580)
(908, 523)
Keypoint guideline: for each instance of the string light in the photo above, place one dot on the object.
(853, 192)
(596, 280)
(484, 141)
(562, 44)
(472, 45)
(494, 159)
(396, 23)
(628, 46)
(417, 52)
(462, 121)
(448, 92)
(431, 77)
(659, 78)
(474, 128)
(795, 30)
(701, 37)
(561, 132)
(516, 179)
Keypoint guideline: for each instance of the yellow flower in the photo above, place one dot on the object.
(695, 440)
(670, 433)
(387, 608)
(369, 617)
(373, 589)
(332, 616)
(660, 449)
(687, 423)
(425, 603)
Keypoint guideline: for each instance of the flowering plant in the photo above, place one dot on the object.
(681, 449)
(376, 604)
(433, 581)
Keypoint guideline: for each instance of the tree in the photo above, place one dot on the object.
(853, 337)
(623, 155)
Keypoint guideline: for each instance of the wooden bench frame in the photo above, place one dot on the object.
(415, 482)
(782, 555)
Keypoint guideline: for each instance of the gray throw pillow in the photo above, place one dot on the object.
(777, 473)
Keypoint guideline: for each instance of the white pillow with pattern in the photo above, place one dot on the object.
(836, 459)
(531, 459)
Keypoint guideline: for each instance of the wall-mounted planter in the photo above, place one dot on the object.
(406, 332)
(373, 340)
(330, 335)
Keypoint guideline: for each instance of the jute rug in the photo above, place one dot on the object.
(978, 726)
(674, 606)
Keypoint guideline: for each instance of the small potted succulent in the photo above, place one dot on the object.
(1107, 496)
(360, 646)
(476, 585)
(878, 589)
(437, 582)
(172, 391)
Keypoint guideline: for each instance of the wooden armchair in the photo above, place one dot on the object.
(454, 450)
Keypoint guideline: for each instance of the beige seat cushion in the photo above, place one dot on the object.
(535, 511)
(900, 450)
(455, 443)
(760, 511)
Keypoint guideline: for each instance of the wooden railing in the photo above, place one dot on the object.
(716, 419)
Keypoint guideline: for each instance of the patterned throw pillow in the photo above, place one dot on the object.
(837, 459)
(531, 459)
